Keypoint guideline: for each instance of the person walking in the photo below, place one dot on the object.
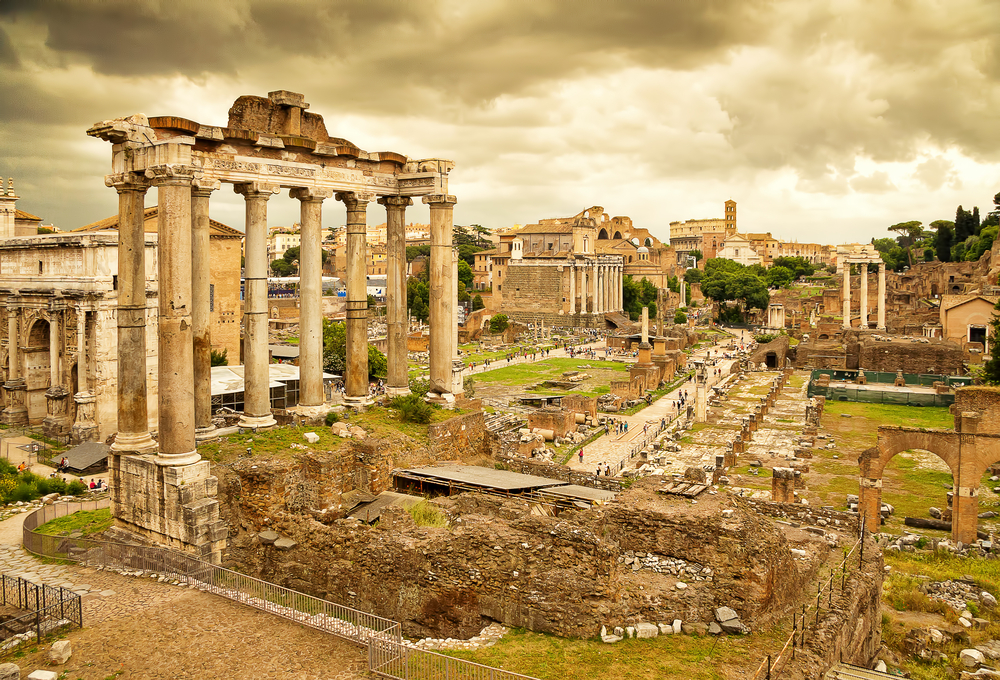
(581, 454)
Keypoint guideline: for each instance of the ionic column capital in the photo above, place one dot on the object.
(170, 174)
(357, 198)
(311, 194)
(440, 199)
(127, 181)
(256, 190)
(395, 201)
(203, 188)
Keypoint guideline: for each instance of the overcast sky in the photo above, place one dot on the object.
(825, 120)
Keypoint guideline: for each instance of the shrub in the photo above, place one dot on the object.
(51, 485)
(332, 418)
(764, 338)
(420, 387)
(22, 492)
(499, 323)
(6, 468)
(412, 409)
(426, 515)
(220, 358)
(76, 488)
(680, 317)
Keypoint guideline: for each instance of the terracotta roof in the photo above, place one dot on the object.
(21, 215)
(546, 229)
(150, 224)
(491, 251)
(951, 301)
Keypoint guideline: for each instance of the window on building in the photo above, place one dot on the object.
(40, 268)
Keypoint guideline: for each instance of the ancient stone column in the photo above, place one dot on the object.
(593, 289)
(847, 294)
(583, 289)
(618, 289)
(870, 503)
(85, 426)
(16, 411)
(175, 347)
(700, 393)
(133, 413)
(442, 305)
(311, 397)
(572, 289)
(256, 375)
(881, 296)
(56, 423)
(356, 369)
(863, 267)
(201, 293)
(395, 209)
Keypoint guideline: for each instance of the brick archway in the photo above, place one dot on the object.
(967, 454)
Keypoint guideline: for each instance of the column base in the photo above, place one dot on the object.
(202, 434)
(397, 391)
(257, 422)
(134, 442)
(880, 328)
(446, 399)
(358, 402)
(17, 416)
(177, 459)
(310, 411)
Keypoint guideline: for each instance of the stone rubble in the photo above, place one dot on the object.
(665, 565)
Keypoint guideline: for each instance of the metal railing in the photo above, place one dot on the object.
(388, 655)
(800, 619)
(48, 609)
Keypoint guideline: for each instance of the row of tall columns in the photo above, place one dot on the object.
(863, 270)
(601, 284)
(184, 340)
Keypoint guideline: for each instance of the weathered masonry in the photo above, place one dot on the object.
(268, 145)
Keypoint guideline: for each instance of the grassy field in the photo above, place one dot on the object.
(552, 369)
(84, 522)
(683, 656)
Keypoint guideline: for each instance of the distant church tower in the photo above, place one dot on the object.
(730, 217)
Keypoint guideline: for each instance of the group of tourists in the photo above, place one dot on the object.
(620, 427)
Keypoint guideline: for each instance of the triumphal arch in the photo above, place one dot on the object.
(269, 144)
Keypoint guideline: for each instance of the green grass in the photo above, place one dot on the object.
(890, 414)
(942, 566)
(426, 515)
(688, 656)
(547, 369)
(85, 522)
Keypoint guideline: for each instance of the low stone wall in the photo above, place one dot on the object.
(552, 470)
(806, 514)
(461, 437)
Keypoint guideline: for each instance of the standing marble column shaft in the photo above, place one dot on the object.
(881, 296)
(863, 270)
(201, 294)
(81, 350)
(55, 347)
(572, 289)
(442, 304)
(396, 311)
(256, 375)
(583, 289)
(175, 351)
(133, 412)
(847, 294)
(311, 396)
(356, 369)
(593, 289)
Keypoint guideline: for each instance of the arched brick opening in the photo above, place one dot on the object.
(967, 455)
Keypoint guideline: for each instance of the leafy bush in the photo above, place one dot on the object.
(764, 338)
(426, 515)
(680, 317)
(499, 323)
(23, 492)
(420, 387)
(412, 409)
(332, 418)
(51, 485)
(220, 358)
(76, 488)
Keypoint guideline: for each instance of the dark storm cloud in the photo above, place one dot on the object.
(8, 58)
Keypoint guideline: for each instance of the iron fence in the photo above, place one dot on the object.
(48, 608)
(388, 655)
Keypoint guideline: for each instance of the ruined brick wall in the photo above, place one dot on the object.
(559, 420)
(778, 347)
(806, 514)
(533, 289)
(580, 404)
(985, 400)
(462, 437)
(498, 561)
(911, 357)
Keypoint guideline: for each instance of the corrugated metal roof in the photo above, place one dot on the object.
(581, 492)
(844, 671)
(369, 512)
(484, 477)
(86, 454)
(229, 379)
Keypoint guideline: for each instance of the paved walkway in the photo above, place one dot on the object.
(613, 450)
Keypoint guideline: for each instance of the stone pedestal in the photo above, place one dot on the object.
(85, 427)
(56, 423)
(783, 485)
(16, 412)
(174, 506)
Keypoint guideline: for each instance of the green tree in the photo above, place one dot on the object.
(943, 239)
(477, 303)
(463, 293)
(694, 275)
(499, 323)
(963, 225)
(680, 317)
(220, 358)
(697, 255)
(465, 273)
(418, 299)
(413, 252)
(908, 232)
(779, 277)
(799, 266)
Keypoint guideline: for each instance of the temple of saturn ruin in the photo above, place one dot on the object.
(269, 144)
